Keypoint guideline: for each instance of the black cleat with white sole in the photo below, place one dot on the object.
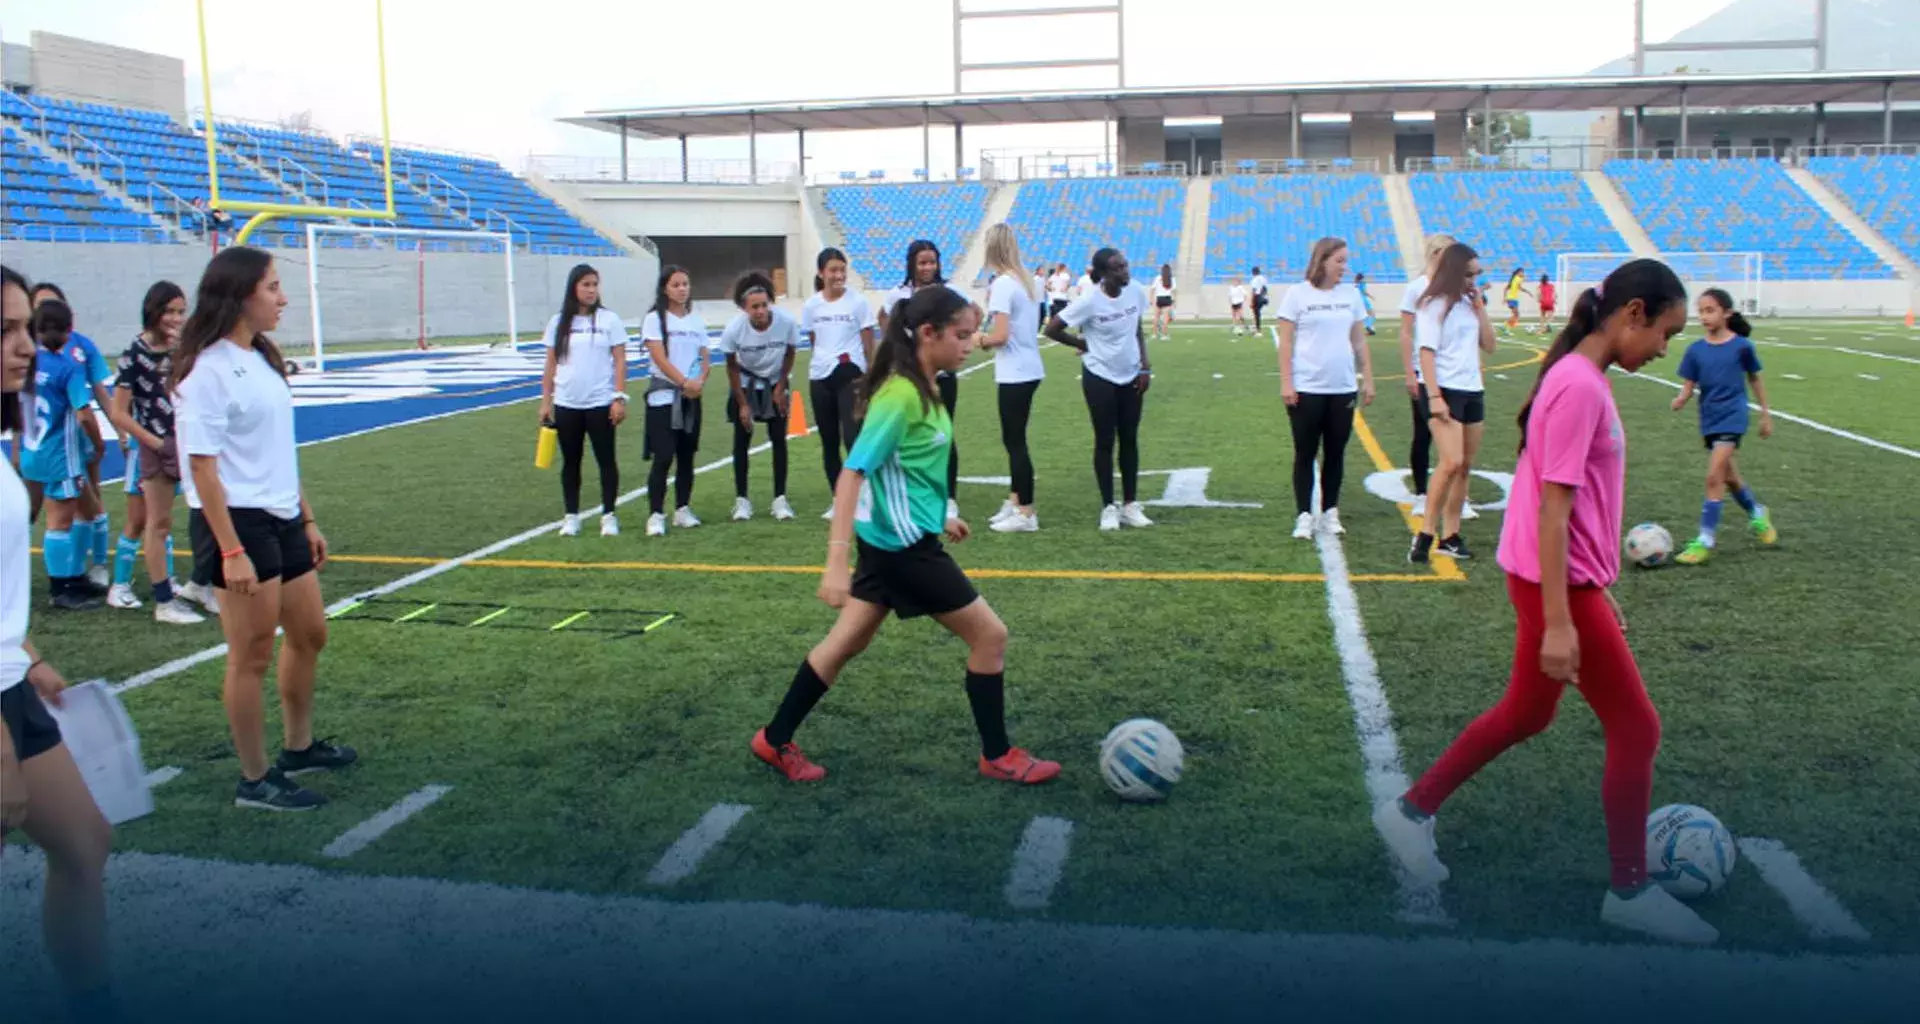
(275, 792)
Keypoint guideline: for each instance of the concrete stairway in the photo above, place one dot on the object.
(1619, 214)
(1190, 267)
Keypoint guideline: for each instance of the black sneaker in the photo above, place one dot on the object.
(322, 756)
(76, 601)
(1455, 546)
(276, 792)
(1417, 554)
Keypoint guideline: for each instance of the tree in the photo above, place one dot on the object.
(1509, 127)
(301, 121)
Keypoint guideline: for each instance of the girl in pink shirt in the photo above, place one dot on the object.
(1560, 547)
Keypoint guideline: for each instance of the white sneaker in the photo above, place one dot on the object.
(176, 613)
(1007, 508)
(684, 518)
(1420, 506)
(570, 526)
(828, 514)
(1410, 842)
(1330, 522)
(100, 576)
(657, 524)
(1653, 911)
(1110, 518)
(609, 525)
(1132, 515)
(742, 510)
(782, 511)
(953, 509)
(206, 597)
(1303, 526)
(120, 595)
(1018, 522)
(1467, 511)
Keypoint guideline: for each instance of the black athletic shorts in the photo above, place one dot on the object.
(29, 724)
(919, 580)
(277, 547)
(1466, 407)
(1719, 439)
(1164, 301)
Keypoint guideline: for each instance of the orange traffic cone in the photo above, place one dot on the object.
(796, 416)
(1909, 318)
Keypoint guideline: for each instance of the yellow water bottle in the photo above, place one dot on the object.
(546, 447)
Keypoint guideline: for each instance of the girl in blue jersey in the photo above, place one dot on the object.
(91, 530)
(1721, 366)
(58, 443)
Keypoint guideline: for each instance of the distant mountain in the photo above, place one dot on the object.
(1862, 35)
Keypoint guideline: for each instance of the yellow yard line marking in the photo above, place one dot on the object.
(1444, 566)
(489, 617)
(417, 612)
(1537, 356)
(568, 621)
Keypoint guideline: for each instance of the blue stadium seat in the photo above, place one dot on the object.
(879, 221)
(1064, 221)
(351, 179)
(1272, 221)
(548, 228)
(1883, 190)
(1515, 218)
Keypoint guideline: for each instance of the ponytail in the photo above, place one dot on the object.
(899, 350)
(827, 255)
(1735, 321)
(1650, 281)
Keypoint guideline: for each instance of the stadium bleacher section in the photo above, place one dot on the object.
(1742, 205)
(1065, 220)
(45, 203)
(1883, 189)
(485, 192)
(878, 222)
(1515, 218)
(349, 180)
(1272, 221)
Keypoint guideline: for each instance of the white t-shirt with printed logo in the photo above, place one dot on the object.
(1455, 341)
(1111, 326)
(687, 337)
(1018, 361)
(760, 353)
(584, 379)
(1323, 319)
(835, 328)
(236, 406)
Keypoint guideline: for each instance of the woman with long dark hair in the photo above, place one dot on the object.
(896, 478)
(1420, 456)
(1013, 310)
(1560, 547)
(1452, 331)
(1163, 302)
(41, 789)
(759, 345)
(676, 340)
(924, 271)
(1115, 375)
(1326, 374)
(252, 528)
(583, 393)
(840, 325)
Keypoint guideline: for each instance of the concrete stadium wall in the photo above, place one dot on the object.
(90, 72)
(365, 295)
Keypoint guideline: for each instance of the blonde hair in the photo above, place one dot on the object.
(1003, 256)
(1436, 245)
(1323, 251)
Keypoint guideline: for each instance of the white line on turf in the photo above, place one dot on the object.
(162, 776)
(684, 856)
(358, 837)
(1842, 348)
(1815, 907)
(181, 664)
(1867, 376)
(1038, 862)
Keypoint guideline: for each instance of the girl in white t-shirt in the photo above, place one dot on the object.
(1451, 329)
(41, 788)
(1013, 335)
(1421, 454)
(1163, 302)
(923, 271)
(759, 345)
(677, 352)
(583, 393)
(1237, 301)
(840, 325)
(1059, 290)
(252, 529)
(1321, 346)
(1115, 375)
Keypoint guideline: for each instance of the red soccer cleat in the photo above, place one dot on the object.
(789, 761)
(1017, 765)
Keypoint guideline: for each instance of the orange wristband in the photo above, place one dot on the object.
(233, 552)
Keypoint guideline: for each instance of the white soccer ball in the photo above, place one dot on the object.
(1141, 759)
(1649, 545)
(1688, 851)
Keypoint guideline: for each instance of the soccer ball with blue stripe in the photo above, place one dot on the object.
(1688, 851)
(1141, 760)
(1649, 545)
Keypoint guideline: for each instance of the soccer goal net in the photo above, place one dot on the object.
(381, 287)
(1740, 273)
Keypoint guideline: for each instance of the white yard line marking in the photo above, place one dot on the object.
(684, 856)
(358, 837)
(1842, 348)
(1867, 376)
(1038, 863)
(1793, 376)
(1816, 908)
(162, 776)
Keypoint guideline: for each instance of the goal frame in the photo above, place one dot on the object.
(315, 230)
(1751, 280)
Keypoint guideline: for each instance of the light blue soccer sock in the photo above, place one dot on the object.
(82, 533)
(124, 553)
(1746, 499)
(102, 529)
(1709, 521)
(56, 551)
(169, 558)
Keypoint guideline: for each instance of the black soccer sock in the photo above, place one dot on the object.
(806, 690)
(988, 696)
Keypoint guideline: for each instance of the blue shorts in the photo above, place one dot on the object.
(1513, 304)
(60, 478)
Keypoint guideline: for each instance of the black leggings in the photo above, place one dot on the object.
(949, 385)
(669, 447)
(1321, 426)
(832, 398)
(1016, 408)
(1259, 303)
(1115, 409)
(574, 427)
(1422, 452)
(743, 439)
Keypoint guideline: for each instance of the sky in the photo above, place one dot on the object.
(493, 78)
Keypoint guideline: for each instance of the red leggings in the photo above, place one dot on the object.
(1611, 684)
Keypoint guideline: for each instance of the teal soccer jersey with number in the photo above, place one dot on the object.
(903, 449)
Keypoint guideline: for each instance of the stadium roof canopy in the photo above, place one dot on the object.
(1597, 92)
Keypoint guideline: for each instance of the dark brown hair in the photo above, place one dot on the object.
(1651, 281)
(231, 277)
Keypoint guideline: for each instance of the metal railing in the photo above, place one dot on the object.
(662, 170)
(73, 136)
(1799, 155)
(179, 209)
(446, 192)
(1295, 165)
(497, 221)
(1694, 153)
(224, 132)
(280, 166)
(83, 233)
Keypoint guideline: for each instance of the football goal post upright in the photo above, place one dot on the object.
(1742, 274)
(395, 240)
